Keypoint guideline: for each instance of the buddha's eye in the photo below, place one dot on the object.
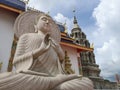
(44, 19)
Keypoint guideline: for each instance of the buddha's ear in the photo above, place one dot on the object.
(35, 27)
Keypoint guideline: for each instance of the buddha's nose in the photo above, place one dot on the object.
(47, 21)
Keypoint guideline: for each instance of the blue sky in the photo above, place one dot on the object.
(99, 19)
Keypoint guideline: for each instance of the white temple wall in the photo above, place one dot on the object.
(7, 19)
(72, 53)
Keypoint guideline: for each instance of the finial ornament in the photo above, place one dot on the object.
(66, 30)
(92, 45)
(74, 11)
(75, 21)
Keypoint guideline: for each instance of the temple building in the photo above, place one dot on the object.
(79, 54)
(89, 67)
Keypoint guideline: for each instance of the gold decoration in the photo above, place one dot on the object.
(66, 31)
(68, 68)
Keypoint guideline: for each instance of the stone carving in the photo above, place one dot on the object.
(38, 58)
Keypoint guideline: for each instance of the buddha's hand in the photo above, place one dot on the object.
(46, 39)
(68, 77)
(55, 45)
(58, 50)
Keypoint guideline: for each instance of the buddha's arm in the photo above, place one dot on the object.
(36, 53)
(34, 73)
(60, 53)
(21, 47)
(20, 54)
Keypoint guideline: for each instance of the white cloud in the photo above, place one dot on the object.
(52, 6)
(62, 5)
(69, 21)
(106, 37)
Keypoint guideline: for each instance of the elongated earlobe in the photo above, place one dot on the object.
(36, 29)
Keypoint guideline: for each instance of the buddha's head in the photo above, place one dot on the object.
(43, 23)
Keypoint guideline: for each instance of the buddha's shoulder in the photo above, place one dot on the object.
(28, 35)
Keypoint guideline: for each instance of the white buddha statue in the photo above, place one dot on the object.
(38, 61)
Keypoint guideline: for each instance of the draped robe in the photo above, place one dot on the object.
(42, 73)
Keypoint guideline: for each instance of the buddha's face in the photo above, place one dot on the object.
(44, 24)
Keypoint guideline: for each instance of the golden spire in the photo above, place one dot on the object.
(74, 11)
(68, 68)
(75, 20)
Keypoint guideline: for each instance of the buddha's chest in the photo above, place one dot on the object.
(34, 42)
